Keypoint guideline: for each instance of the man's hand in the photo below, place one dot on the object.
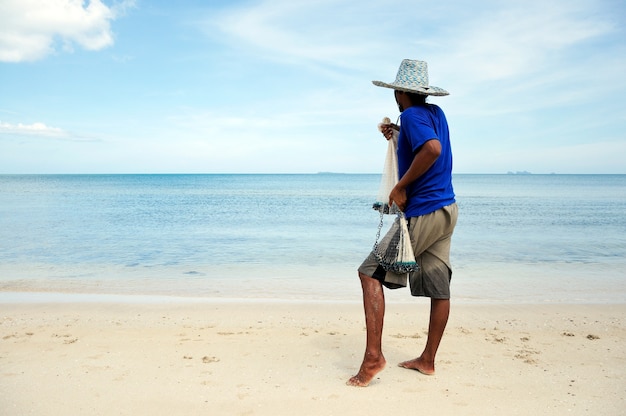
(398, 195)
(388, 129)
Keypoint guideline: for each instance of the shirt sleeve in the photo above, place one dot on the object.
(418, 126)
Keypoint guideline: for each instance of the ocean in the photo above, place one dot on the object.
(519, 239)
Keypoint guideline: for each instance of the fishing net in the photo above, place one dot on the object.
(389, 177)
(394, 251)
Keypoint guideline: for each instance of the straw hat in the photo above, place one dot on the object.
(412, 77)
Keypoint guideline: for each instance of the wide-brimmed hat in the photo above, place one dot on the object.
(412, 77)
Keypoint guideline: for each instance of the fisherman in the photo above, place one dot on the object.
(424, 193)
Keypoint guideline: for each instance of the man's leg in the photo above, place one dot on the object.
(374, 305)
(425, 363)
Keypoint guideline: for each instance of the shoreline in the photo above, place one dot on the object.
(70, 298)
(491, 283)
(269, 357)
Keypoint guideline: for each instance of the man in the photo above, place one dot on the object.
(425, 194)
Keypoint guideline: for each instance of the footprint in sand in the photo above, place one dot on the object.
(17, 336)
(402, 336)
(68, 338)
(526, 355)
(496, 339)
(464, 331)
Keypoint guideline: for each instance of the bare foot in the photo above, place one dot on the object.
(420, 365)
(367, 372)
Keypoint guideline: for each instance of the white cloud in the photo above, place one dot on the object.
(35, 129)
(322, 32)
(523, 39)
(29, 29)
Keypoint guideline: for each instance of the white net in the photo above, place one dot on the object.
(389, 177)
(394, 252)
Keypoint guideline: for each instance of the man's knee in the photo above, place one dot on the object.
(366, 279)
(369, 283)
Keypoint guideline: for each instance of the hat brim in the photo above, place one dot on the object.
(430, 90)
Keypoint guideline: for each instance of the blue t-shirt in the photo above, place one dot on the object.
(432, 190)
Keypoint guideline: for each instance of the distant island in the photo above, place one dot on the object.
(519, 172)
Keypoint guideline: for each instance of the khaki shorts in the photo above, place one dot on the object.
(430, 237)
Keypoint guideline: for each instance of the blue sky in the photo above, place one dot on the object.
(284, 86)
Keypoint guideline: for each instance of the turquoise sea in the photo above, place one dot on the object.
(519, 239)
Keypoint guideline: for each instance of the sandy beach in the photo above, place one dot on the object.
(284, 358)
